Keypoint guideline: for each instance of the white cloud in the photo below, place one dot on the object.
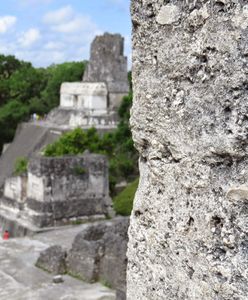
(75, 25)
(41, 58)
(65, 35)
(66, 20)
(58, 16)
(29, 37)
(6, 22)
(53, 45)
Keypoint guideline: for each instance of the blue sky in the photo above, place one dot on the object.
(53, 31)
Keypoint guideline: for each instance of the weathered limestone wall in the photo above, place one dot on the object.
(14, 188)
(188, 234)
(62, 188)
(85, 96)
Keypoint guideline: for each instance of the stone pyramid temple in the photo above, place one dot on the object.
(57, 190)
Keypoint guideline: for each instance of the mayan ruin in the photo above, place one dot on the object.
(123, 150)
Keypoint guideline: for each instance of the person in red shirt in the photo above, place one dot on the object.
(6, 235)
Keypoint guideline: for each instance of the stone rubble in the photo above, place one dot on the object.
(56, 191)
(97, 254)
(53, 260)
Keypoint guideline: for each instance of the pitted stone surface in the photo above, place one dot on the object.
(168, 14)
(52, 260)
(188, 233)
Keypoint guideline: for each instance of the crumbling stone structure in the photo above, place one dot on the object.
(84, 96)
(67, 187)
(84, 104)
(15, 188)
(95, 101)
(108, 64)
(57, 191)
(97, 254)
(188, 233)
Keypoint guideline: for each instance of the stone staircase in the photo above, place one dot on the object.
(30, 138)
(59, 116)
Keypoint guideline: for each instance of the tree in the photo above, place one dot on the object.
(11, 114)
(57, 74)
(25, 90)
(8, 65)
(26, 83)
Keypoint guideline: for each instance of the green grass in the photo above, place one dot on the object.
(123, 202)
(76, 276)
(21, 166)
(78, 170)
(105, 283)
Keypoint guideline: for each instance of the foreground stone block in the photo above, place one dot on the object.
(188, 233)
(86, 252)
(99, 254)
(53, 260)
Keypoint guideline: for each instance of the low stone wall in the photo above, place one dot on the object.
(14, 228)
(94, 118)
(15, 189)
(67, 187)
(57, 191)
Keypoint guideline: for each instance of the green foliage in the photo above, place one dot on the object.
(8, 65)
(74, 142)
(21, 166)
(57, 74)
(25, 90)
(130, 80)
(78, 170)
(106, 283)
(26, 83)
(123, 202)
(11, 114)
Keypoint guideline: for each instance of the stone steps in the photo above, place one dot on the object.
(30, 138)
